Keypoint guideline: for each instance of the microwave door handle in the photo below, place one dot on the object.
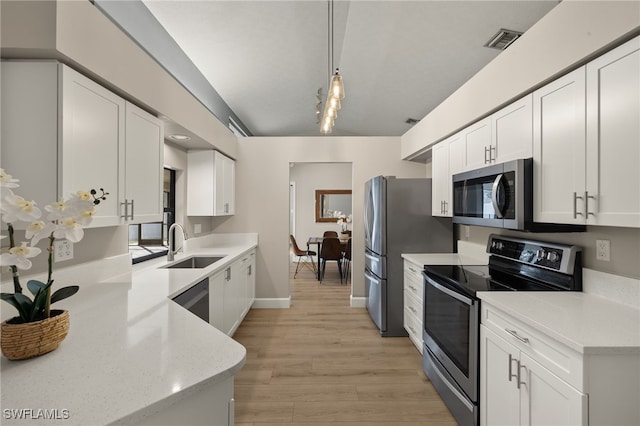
(494, 196)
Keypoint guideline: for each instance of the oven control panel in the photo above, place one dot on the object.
(553, 256)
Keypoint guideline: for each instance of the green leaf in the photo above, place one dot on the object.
(25, 306)
(39, 302)
(64, 292)
(11, 299)
(35, 286)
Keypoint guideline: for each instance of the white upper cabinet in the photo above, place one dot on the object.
(477, 143)
(142, 195)
(512, 131)
(559, 150)
(586, 143)
(613, 137)
(62, 132)
(440, 179)
(210, 184)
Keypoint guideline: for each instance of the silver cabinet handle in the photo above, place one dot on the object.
(520, 367)
(586, 203)
(227, 273)
(413, 310)
(126, 205)
(492, 150)
(576, 197)
(511, 375)
(132, 206)
(516, 335)
(487, 150)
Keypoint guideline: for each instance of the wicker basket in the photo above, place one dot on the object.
(28, 340)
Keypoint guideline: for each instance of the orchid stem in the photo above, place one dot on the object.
(47, 306)
(17, 288)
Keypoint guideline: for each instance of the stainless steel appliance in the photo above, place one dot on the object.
(196, 299)
(451, 322)
(500, 196)
(397, 219)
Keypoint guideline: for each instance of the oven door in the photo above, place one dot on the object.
(451, 332)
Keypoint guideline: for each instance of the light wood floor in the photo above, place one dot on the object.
(322, 362)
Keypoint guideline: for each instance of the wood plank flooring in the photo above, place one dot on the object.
(322, 362)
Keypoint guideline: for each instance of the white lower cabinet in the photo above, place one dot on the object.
(413, 303)
(211, 405)
(530, 378)
(232, 293)
(516, 390)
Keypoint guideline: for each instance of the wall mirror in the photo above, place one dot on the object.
(329, 201)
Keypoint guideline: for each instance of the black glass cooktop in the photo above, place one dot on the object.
(473, 278)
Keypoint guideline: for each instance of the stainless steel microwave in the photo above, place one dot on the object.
(500, 196)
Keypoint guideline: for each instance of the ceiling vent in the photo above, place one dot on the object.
(503, 39)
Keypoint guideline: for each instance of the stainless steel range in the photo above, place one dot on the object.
(451, 322)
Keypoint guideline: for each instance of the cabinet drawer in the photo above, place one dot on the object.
(553, 355)
(413, 280)
(413, 304)
(414, 328)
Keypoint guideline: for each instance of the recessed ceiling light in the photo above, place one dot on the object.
(180, 138)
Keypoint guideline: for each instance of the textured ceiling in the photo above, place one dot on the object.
(399, 59)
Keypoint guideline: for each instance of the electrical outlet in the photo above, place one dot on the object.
(603, 250)
(62, 250)
(466, 231)
(197, 228)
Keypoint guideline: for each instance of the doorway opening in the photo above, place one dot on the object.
(305, 179)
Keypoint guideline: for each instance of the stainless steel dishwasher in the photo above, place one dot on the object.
(196, 299)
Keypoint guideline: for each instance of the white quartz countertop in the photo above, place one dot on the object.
(586, 323)
(131, 351)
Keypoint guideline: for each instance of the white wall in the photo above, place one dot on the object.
(309, 177)
(570, 34)
(262, 194)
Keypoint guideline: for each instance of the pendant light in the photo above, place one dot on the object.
(335, 93)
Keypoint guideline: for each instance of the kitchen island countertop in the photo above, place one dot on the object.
(130, 352)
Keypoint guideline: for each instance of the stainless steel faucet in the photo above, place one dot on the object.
(171, 253)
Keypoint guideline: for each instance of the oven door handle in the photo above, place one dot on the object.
(452, 293)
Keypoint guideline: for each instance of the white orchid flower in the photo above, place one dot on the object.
(57, 210)
(16, 208)
(7, 181)
(19, 256)
(70, 229)
(86, 217)
(38, 230)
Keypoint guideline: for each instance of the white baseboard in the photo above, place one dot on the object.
(358, 302)
(272, 303)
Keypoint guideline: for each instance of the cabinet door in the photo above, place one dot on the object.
(441, 179)
(91, 148)
(457, 155)
(477, 139)
(224, 178)
(559, 150)
(546, 399)
(613, 137)
(144, 165)
(499, 393)
(200, 181)
(512, 131)
(217, 284)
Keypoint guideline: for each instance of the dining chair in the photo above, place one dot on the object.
(302, 253)
(346, 261)
(330, 234)
(331, 250)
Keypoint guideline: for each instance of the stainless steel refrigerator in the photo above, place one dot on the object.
(397, 219)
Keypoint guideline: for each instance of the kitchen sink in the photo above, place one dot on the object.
(194, 262)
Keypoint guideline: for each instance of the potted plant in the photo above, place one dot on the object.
(37, 329)
(343, 222)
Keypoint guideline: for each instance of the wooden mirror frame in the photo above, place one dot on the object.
(320, 193)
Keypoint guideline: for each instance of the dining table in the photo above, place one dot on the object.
(344, 239)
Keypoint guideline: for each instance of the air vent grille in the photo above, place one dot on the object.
(503, 39)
